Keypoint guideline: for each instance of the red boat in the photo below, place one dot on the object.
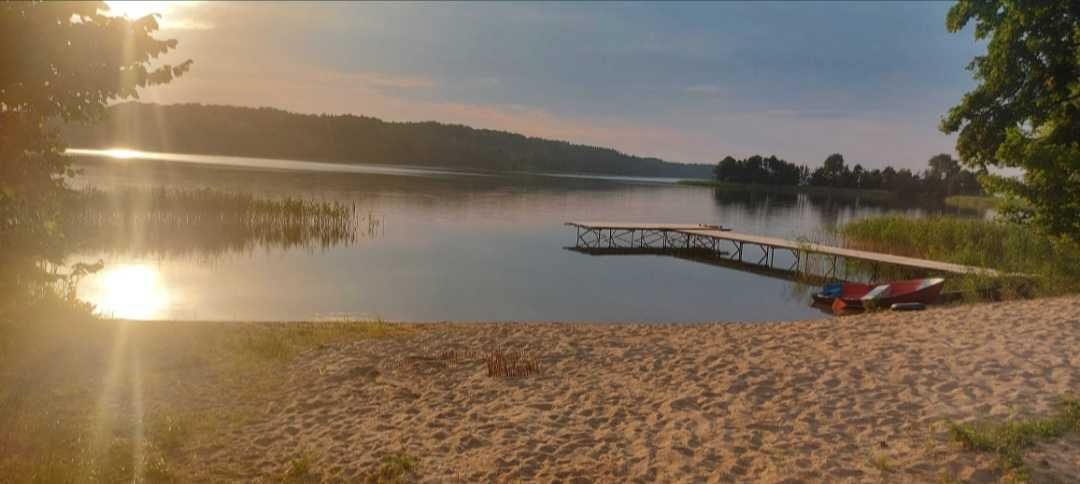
(857, 296)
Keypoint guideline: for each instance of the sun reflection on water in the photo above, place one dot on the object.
(129, 291)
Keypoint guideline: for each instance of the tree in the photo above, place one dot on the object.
(857, 175)
(834, 164)
(1025, 111)
(727, 169)
(832, 173)
(58, 61)
(759, 170)
(943, 176)
(943, 167)
(872, 179)
(888, 178)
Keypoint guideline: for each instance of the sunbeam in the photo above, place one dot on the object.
(129, 291)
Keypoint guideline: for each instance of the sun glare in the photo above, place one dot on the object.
(122, 153)
(131, 291)
(138, 9)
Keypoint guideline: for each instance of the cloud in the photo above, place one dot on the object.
(686, 82)
(379, 80)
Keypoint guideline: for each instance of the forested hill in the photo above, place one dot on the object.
(273, 133)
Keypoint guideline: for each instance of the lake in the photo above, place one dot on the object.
(447, 245)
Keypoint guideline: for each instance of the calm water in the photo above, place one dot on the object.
(449, 246)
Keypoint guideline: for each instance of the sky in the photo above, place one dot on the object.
(687, 82)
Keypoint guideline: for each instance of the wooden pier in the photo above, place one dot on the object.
(723, 242)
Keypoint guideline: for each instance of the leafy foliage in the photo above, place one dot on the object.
(944, 177)
(761, 170)
(1025, 112)
(273, 133)
(58, 61)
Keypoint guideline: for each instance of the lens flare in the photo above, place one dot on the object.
(136, 9)
(123, 153)
(131, 291)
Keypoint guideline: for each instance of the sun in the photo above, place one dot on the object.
(136, 10)
(130, 291)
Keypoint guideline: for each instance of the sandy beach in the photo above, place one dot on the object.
(857, 399)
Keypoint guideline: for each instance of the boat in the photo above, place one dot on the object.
(829, 292)
(860, 296)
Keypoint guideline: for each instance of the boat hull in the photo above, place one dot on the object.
(925, 291)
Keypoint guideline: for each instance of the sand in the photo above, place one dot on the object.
(856, 399)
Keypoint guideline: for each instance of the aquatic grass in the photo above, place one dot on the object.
(206, 221)
(1037, 264)
(973, 202)
(1008, 439)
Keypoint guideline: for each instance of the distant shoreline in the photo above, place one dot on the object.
(103, 155)
(879, 195)
(274, 133)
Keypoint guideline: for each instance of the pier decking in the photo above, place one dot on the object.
(722, 242)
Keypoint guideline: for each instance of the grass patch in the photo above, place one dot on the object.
(171, 432)
(283, 341)
(852, 193)
(394, 469)
(299, 470)
(91, 400)
(1009, 439)
(1052, 263)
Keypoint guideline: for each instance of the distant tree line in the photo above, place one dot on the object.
(943, 177)
(273, 133)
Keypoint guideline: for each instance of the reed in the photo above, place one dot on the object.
(970, 202)
(1046, 265)
(209, 222)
